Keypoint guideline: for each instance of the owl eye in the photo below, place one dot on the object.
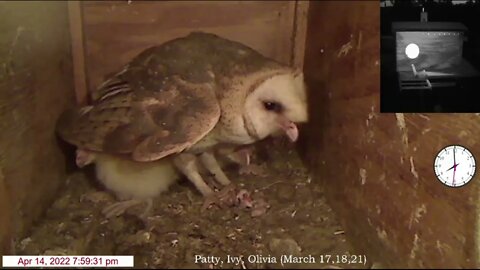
(272, 106)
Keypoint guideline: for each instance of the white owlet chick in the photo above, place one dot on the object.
(180, 101)
(131, 181)
(151, 178)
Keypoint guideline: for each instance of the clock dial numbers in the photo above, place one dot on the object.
(460, 172)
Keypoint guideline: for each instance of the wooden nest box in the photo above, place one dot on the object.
(432, 46)
(427, 51)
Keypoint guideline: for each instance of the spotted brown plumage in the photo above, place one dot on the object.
(182, 100)
(164, 100)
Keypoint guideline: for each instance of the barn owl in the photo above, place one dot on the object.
(173, 104)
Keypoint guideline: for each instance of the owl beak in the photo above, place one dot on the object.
(288, 127)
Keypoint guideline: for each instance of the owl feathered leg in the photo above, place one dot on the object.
(229, 195)
(211, 164)
(187, 164)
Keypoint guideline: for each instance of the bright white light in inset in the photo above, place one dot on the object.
(412, 51)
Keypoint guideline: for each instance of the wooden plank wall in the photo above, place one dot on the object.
(36, 85)
(5, 221)
(78, 51)
(378, 168)
(115, 31)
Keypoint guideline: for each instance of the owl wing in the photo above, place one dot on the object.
(144, 116)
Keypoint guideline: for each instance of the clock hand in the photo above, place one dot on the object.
(454, 162)
(454, 170)
(453, 167)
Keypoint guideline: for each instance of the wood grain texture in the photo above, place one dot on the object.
(115, 31)
(36, 84)
(6, 236)
(438, 50)
(378, 168)
(78, 51)
(300, 33)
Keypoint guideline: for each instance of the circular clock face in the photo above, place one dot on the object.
(454, 166)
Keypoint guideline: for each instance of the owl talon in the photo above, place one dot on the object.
(229, 196)
(244, 156)
(226, 197)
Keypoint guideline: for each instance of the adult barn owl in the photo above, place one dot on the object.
(178, 102)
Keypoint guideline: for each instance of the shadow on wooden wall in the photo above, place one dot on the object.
(378, 168)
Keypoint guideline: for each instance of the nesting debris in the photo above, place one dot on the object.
(254, 169)
(260, 205)
(227, 197)
(177, 230)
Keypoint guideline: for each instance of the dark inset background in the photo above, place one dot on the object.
(466, 12)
